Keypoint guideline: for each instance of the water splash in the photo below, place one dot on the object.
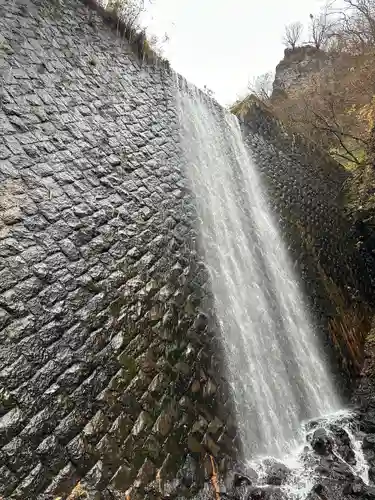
(302, 462)
(274, 363)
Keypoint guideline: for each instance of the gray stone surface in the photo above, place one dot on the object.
(99, 352)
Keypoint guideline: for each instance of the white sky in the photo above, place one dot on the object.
(225, 43)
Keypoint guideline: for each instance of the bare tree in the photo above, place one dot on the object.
(261, 86)
(292, 34)
(322, 26)
(363, 11)
(356, 25)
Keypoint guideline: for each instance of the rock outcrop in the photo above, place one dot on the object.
(297, 67)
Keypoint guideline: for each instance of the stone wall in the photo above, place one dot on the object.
(306, 193)
(109, 371)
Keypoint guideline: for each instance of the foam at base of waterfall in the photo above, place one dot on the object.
(302, 461)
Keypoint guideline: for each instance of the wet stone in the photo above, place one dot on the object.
(194, 444)
(200, 426)
(163, 424)
(8, 481)
(369, 442)
(277, 473)
(123, 477)
(215, 426)
(143, 423)
(10, 423)
(211, 446)
(321, 442)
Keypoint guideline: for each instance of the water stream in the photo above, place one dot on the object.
(274, 361)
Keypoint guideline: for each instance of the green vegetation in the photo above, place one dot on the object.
(240, 106)
(124, 15)
(360, 158)
(5, 48)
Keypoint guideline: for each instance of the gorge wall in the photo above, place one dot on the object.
(110, 370)
(307, 192)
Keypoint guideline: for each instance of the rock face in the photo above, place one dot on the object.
(106, 369)
(297, 67)
(301, 180)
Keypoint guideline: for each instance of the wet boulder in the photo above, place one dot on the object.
(266, 493)
(369, 492)
(342, 470)
(277, 473)
(367, 422)
(239, 482)
(371, 473)
(317, 492)
(369, 442)
(321, 442)
(256, 493)
(343, 444)
(361, 490)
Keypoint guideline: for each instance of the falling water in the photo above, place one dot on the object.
(274, 365)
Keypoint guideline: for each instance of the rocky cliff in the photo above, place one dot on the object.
(297, 67)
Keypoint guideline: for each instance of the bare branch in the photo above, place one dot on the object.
(322, 26)
(262, 86)
(292, 35)
(356, 25)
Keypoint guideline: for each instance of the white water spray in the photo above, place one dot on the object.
(273, 358)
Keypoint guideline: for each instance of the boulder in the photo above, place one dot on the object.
(367, 423)
(371, 473)
(256, 494)
(369, 492)
(241, 479)
(369, 442)
(360, 490)
(342, 469)
(266, 493)
(277, 473)
(321, 442)
(355, 488)
(343, 444)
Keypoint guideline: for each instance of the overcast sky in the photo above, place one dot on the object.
(224, 43)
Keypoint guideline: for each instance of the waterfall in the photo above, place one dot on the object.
(274, 364)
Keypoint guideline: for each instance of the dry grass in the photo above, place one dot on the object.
(127, 27)
(335, 108)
